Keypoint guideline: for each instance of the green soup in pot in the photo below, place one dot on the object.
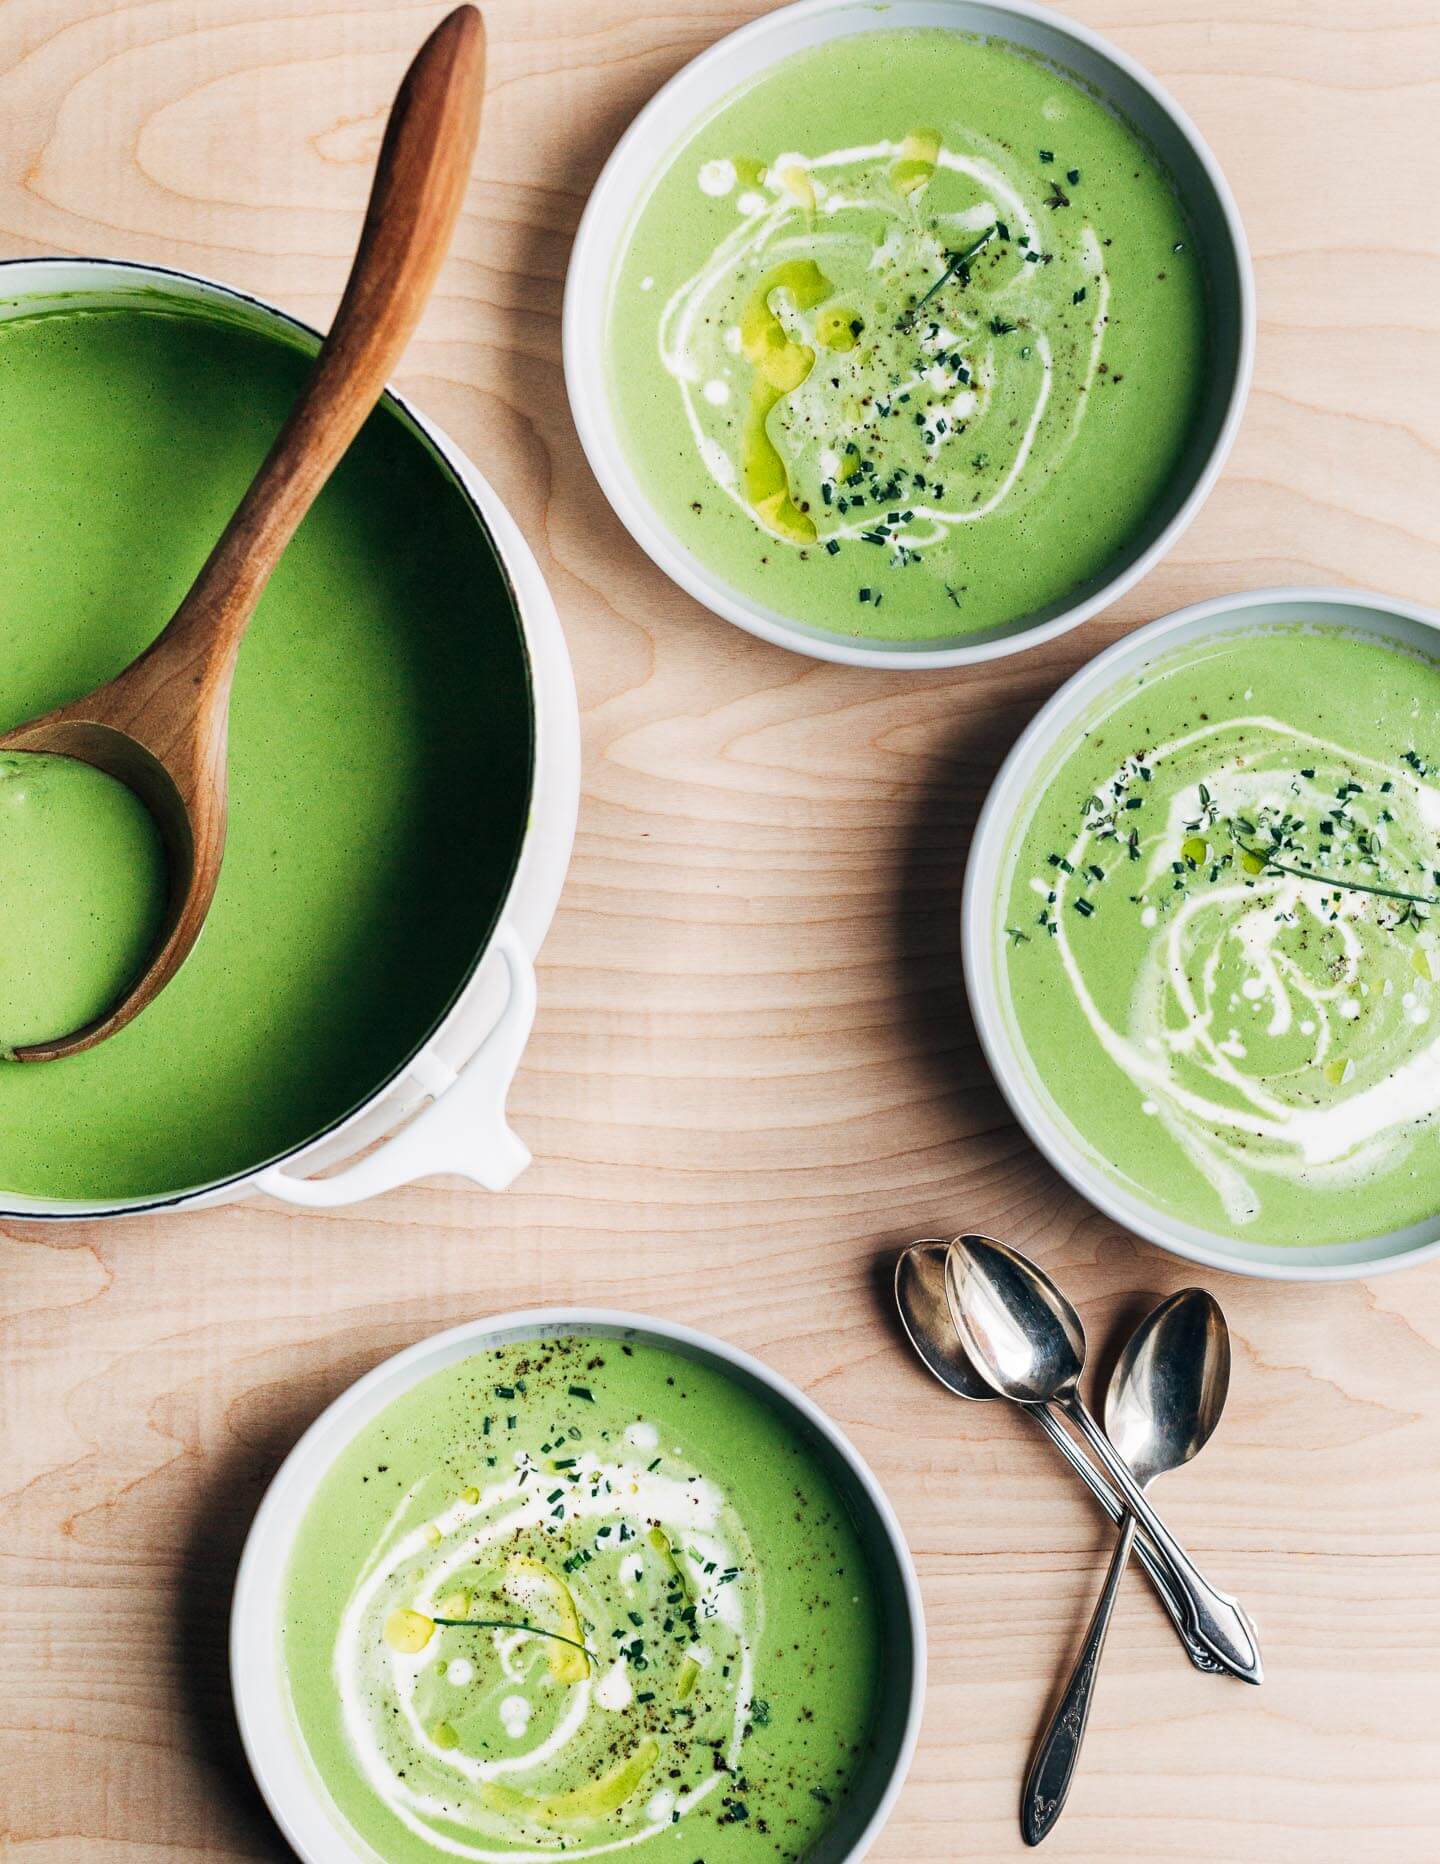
(380, 745)
(1220, 943)
(83, 881)
(909, 337)
(579, 1597)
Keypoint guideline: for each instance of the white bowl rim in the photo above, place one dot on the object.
(255, 1599)
(1288, 1263)
(589, 401)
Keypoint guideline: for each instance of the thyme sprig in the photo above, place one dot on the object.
(956, 264)
(511, 1624)
(1268, 861)
(1259, 847)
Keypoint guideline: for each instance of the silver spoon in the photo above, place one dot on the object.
(925, 1315)
(1164, 1400)
(1025, 1338)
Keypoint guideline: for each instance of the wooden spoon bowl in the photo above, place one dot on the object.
(162, 726)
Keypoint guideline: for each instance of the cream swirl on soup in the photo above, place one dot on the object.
(878, 350)
(512, 1637)
(1229, 892)
(1257, 966)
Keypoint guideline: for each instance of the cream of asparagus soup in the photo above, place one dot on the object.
(908, 338)
(83, 882)
(380, 747)
(1221, 935)
(578, 1597)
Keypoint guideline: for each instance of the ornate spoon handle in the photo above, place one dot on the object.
(1052, 1768)
(1213, 1616)
(1154, 1569)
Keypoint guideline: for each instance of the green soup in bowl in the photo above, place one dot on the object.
(571, 1587)
(921, 337)
(1202, 929)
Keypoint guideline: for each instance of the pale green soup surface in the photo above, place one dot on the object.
(1209, 950)
(669, 1639)
(908, 338)
(83, 881)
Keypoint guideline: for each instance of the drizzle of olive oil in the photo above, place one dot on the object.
(780, 364)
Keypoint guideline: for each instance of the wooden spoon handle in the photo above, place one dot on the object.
(414, 203)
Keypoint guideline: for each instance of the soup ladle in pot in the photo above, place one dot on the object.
(1025, 1338)
(1161, 1407)
(162, 725)
(925, 1315)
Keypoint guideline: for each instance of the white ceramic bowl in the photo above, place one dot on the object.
(287, 1777)
(443, 1112)
(1389, 619)
(694, 93)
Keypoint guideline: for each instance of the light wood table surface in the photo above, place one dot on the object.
(753, 1073)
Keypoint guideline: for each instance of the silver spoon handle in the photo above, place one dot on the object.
(1214, 1617)
(1052, 1768)
(1155, 1571)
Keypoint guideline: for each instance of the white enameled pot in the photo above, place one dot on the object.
(695, 93)
(1386, 618)
(282, 1766)
(443, 1112)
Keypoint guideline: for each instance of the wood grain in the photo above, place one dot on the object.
(753, 1073)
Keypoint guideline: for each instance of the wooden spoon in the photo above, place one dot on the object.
(162, 725)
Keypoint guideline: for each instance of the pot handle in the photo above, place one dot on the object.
(463, 1131)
